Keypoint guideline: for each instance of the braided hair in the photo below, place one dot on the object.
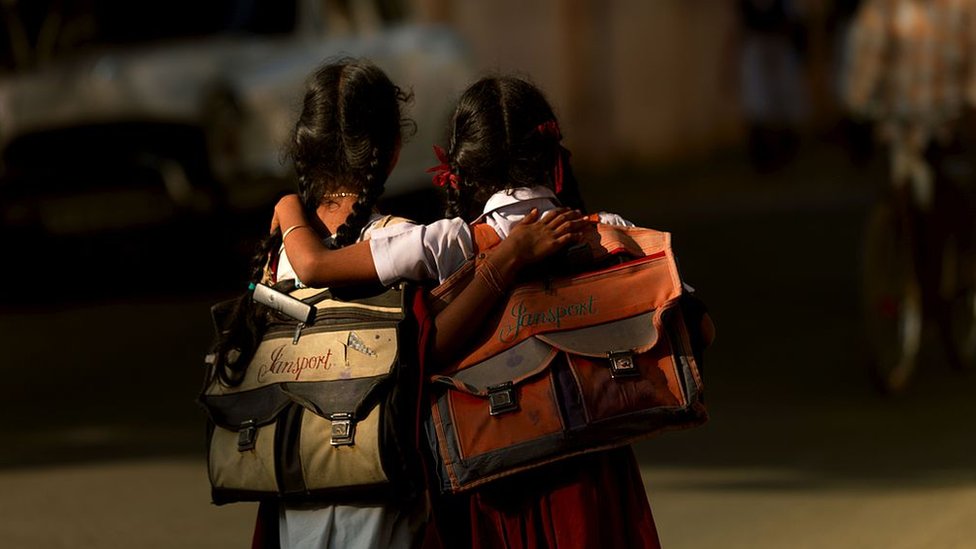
(346, 137)
(496, 144)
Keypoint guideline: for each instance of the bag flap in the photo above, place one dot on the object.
(329, 371)
(230, 411)
(596, 298)
(636, 334)
(606, 240)
(350, 396)
(513, 365)
(334, 366)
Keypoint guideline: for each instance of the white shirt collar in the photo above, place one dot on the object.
(519, 194)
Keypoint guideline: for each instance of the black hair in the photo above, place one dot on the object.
(345, 138)
(496, 144)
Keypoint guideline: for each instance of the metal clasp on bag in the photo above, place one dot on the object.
(343, 429)
(622, 364)
(247, 436)
(501, 398)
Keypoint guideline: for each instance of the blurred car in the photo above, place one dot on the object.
(156, 126)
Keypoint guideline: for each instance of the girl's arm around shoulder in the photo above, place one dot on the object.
(404, 251)
(530, 241)
(421, 252)
(314, 263)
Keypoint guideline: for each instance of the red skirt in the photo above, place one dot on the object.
(596, 500)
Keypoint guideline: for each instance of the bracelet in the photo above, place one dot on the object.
(285, 234)
(489, 274)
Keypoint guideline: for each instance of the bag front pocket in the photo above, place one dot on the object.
(482, 432)
(247, 471)
(604, 397)
(328, 466)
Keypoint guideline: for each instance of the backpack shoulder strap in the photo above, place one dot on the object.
(484, 238)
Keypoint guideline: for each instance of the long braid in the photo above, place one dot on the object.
(452, 198)
(349, 231)
(351, 124)
(453, 206)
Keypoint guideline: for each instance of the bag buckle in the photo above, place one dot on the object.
(622, 364)
(501, 398)
(343, 429)
(247, 436)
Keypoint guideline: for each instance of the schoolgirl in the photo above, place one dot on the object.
(345, 143)
(504, 166)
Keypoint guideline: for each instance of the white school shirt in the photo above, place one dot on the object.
(435, 251)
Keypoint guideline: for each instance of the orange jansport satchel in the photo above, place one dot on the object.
(568, 365)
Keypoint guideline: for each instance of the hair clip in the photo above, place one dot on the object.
(442, 172)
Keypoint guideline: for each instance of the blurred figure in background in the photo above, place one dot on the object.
(854, 131)
(910, 70)
(771, 82)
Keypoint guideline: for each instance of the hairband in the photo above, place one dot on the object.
(550, 128)
(442, 172)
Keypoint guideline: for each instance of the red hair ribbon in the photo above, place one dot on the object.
(442, 172)
(551, 128)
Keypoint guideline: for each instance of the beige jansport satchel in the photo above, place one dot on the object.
(324, 411)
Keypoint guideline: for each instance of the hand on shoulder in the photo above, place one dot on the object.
(535, 239)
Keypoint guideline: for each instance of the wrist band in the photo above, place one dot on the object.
(285, 234)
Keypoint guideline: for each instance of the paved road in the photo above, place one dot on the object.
(105, 450)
